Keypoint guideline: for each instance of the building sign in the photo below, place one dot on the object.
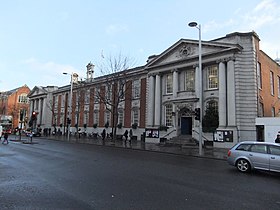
(152, 133)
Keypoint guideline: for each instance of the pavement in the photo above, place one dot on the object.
(207, 152)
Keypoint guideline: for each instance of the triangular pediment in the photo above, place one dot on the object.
(37, 91)
(188, 49)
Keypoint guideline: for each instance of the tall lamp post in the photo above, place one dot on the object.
(198, 26)
(69, 106)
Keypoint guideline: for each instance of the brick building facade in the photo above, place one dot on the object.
(239, 81)
(13, 103)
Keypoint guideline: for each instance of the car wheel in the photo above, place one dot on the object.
(243, 165)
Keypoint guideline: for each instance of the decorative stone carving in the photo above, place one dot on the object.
(185, 51)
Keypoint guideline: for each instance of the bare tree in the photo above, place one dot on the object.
(115, 87)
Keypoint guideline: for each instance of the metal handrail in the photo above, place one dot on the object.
(169, 133)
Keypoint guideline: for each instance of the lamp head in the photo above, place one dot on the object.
(193, 24)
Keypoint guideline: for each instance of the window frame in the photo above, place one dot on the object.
(212, 75)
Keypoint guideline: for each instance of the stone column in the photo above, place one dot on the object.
(151, 101)
(231, 93)
(39, 116)
(175, 83)
(43, 120)
(157, 100)
(222, 95)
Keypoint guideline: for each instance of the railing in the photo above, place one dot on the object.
(202, 135)
(168, 133)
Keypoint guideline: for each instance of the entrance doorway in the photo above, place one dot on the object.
(186, 125)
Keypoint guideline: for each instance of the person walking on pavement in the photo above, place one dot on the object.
(130, 135)
(103, 134)
(5, 138)
(125, 135)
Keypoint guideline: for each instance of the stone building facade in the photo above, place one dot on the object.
(239, 81)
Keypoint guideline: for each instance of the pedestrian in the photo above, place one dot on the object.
(5, 138)
(103, 134)
(125, 135)
(277, 140)
(130, 135)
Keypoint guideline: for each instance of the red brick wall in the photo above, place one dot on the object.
(127, 109)
(265, 96)
(91, 107)
(101, 108)
(13, 107)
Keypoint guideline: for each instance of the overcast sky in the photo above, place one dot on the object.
(41, 39)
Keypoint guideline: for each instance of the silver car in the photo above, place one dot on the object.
(249, 155)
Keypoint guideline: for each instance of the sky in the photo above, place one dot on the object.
(39, 40)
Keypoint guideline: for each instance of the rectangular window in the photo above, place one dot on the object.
(121, 89)
(87, 96)
(212, 72)
(108, 93)
(168, 115)
(96, 94)
(278, 86)
(190, 80)
(23, 99)
(96, 117)
(120, 117)
(259, 75)
(169, 84)
(271, 83)
(135, 116)
(136, 88)
(107, 117)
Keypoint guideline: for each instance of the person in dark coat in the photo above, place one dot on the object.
(277, 140)
(103, 134)
(5, 138)
(125, 135)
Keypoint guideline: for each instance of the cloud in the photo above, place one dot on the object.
(116, 29)
(48, 73)
(266, 13)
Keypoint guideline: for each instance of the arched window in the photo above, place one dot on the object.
(213, 104)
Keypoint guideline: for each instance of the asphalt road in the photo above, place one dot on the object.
(60, 175)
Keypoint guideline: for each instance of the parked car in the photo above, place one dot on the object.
(249, 155)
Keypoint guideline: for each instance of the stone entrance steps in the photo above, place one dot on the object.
(182, 141)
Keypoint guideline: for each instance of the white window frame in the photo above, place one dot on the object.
(190, 80)
(169, 84)
(168, 115)
(136, 88)
(212, 77)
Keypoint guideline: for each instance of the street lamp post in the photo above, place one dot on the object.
(69, 106)
(198, 26)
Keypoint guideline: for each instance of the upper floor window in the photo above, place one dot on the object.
(212, 75)
(23, 98)
(135, 115)
(271, 82)
(96, 94)
(278, 86)
(190, 80)
(169, 84)
(136, 89)
(87, 96)
(259, 75)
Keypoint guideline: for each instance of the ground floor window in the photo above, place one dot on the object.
(168, 115)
